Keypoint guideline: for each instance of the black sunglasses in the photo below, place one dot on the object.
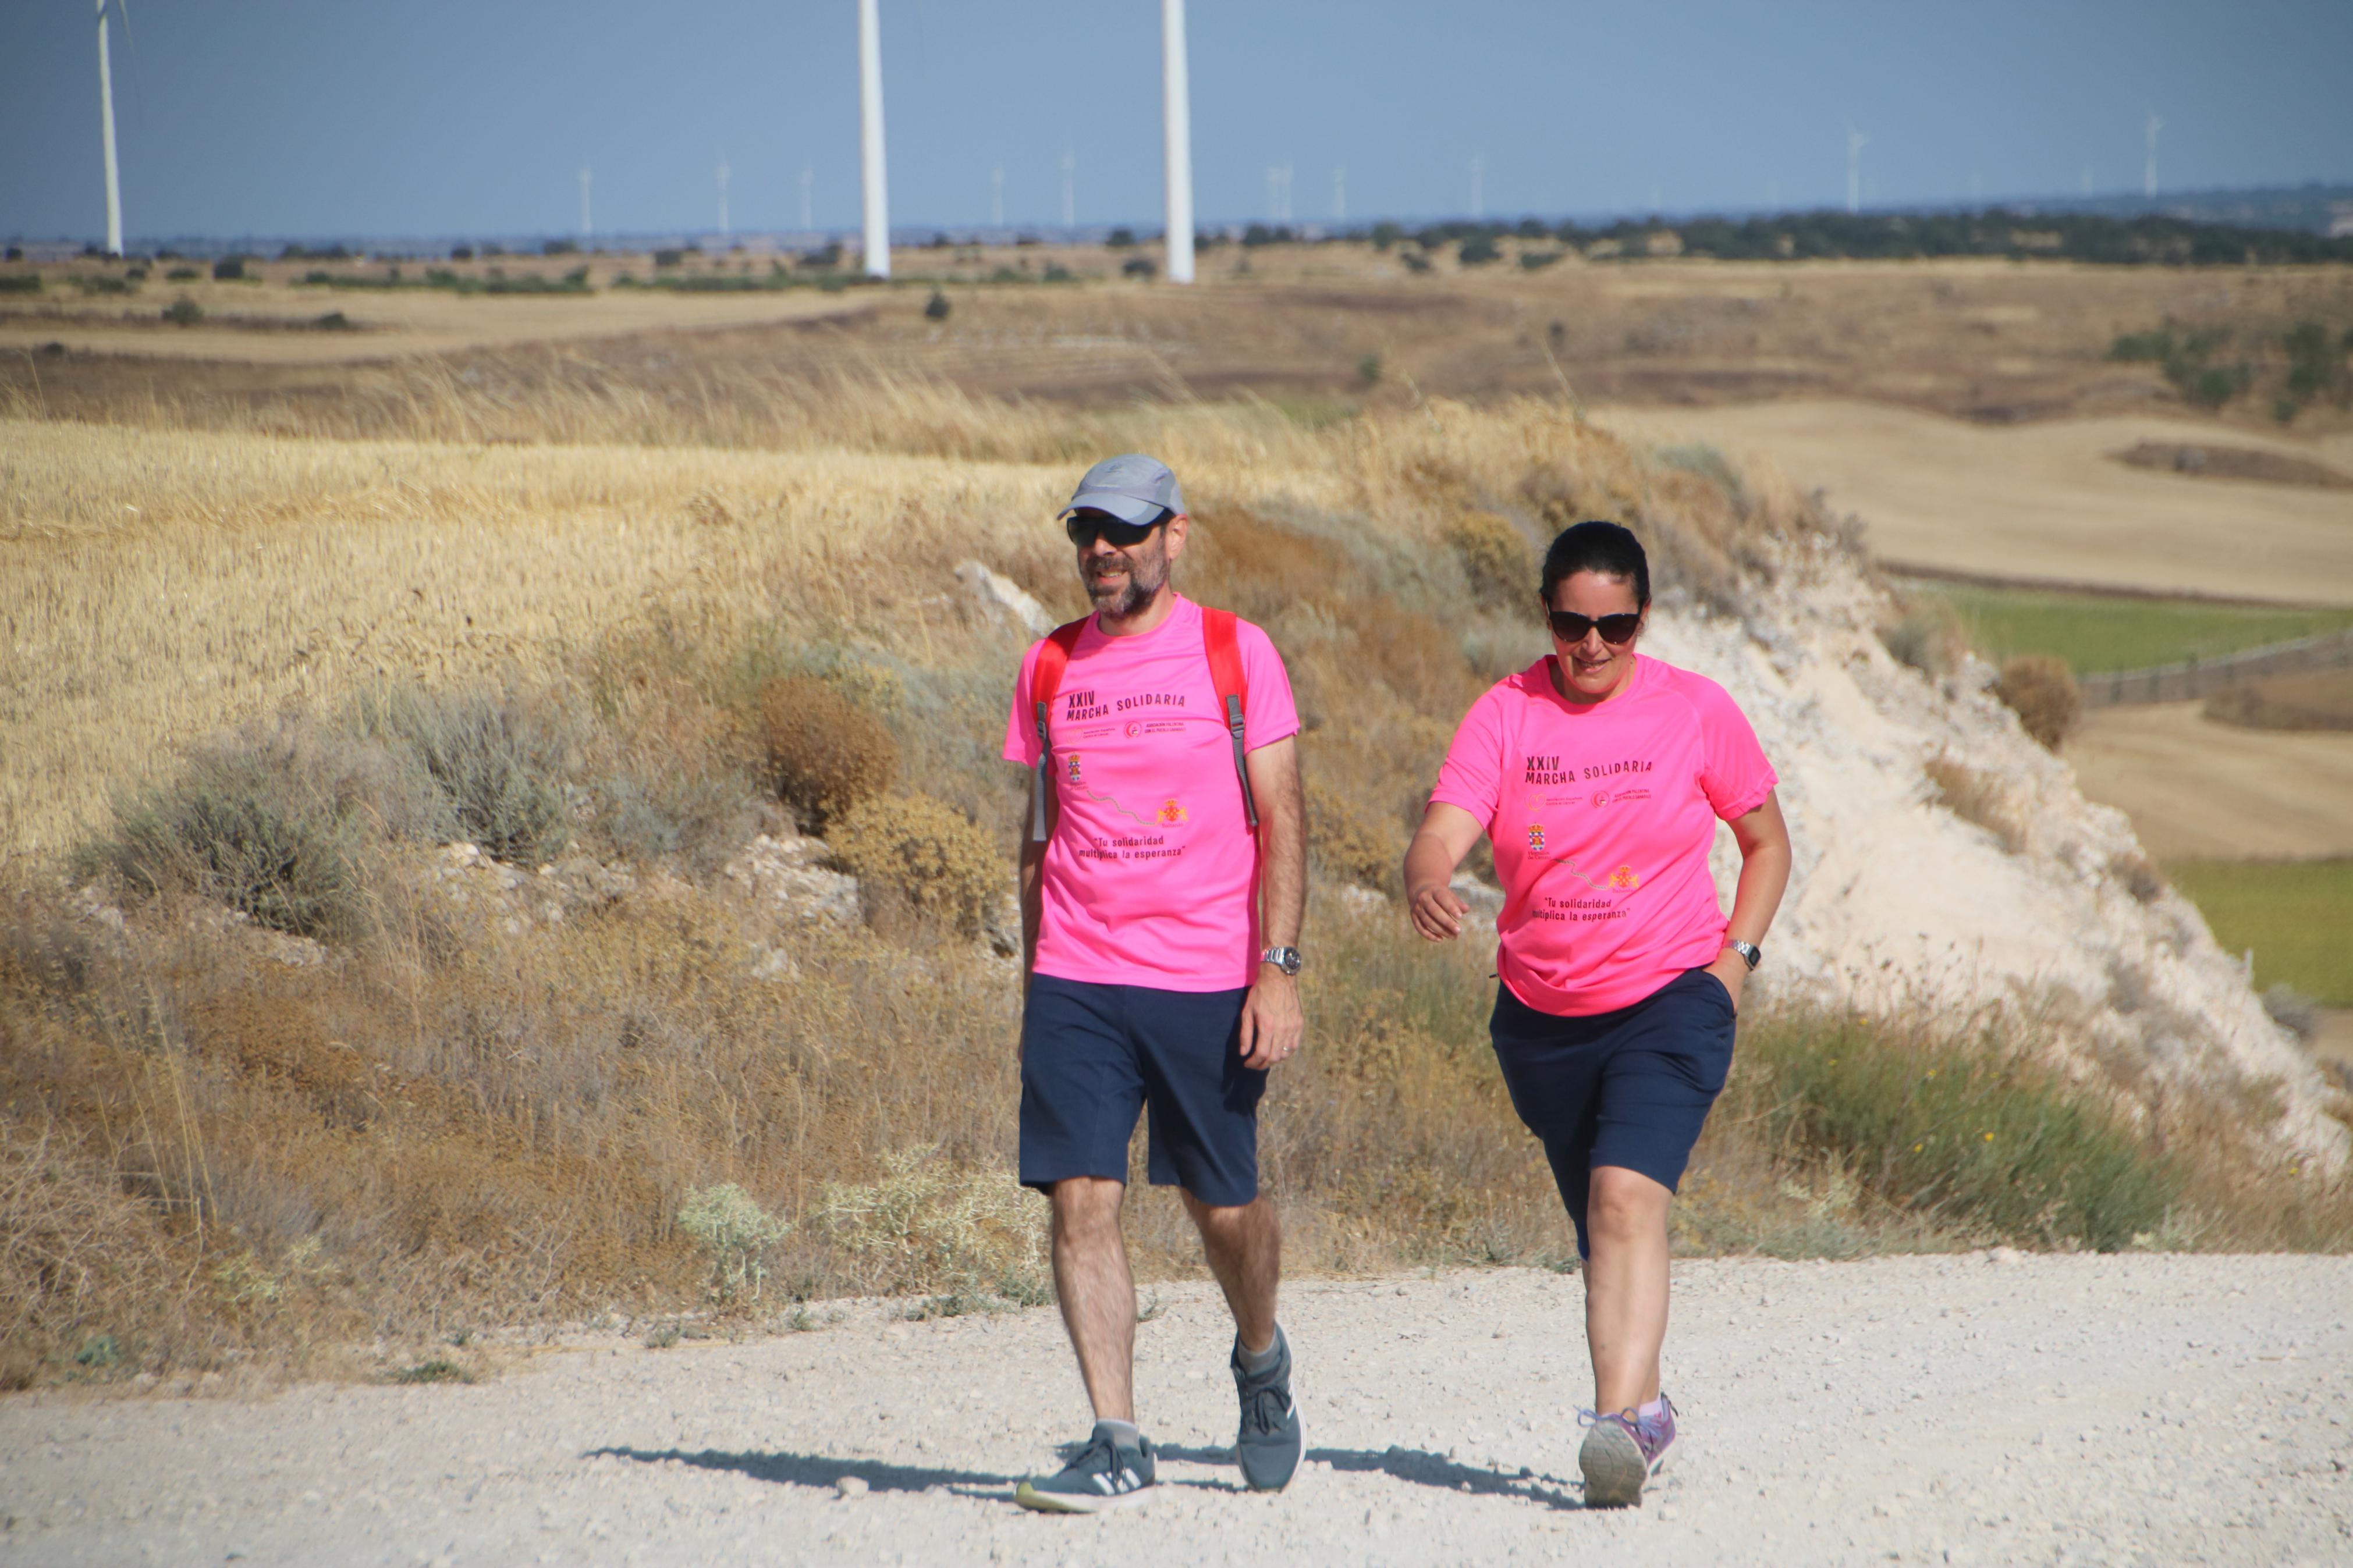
(1570, 627)
(1083, 527)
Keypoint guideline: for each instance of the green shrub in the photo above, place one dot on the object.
(1534, 260)
(20, 283)
(1961, 1130)
(930, 1225)
(1119, 239)
(936, 308)
(1496, 560)
(183, 313)
(493, 762)
(101, 283)
(228, 266)
(669, 257)
(1478, 251)
(925, 855)
(1142, 266)
(1368, 371)
(183, 275)
(825, 753)
(735, 1233)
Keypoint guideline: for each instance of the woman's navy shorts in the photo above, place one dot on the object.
(1092, 1056)
(1630, 1088)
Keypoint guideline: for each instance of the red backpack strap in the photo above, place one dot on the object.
(1222, 642)
(1044, 682)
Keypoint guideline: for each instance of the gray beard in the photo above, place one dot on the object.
(1120, 604)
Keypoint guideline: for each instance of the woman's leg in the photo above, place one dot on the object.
(1626, 1285)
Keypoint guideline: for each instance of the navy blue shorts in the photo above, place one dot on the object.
(1092, 1056)
(1630, 1088)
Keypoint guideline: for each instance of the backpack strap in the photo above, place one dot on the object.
(1222, 643)
(1044, 682)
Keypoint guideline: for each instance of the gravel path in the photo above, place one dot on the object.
(1989, 1408)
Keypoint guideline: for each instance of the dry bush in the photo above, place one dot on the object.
(1345, 845)
(927, 1225)
(826, 754)
(1496, 560)
(2042, 691)
(1928, 636)
(1975, 798)
(925, 855)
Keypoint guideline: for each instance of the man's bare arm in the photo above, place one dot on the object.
(1272, 1021)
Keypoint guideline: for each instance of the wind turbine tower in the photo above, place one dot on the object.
(1177, 134)
(1855, 143)
(2149, 169)
(1340, 194)
(869, 118)
(723, 196)
(587, 229)
(106, 113)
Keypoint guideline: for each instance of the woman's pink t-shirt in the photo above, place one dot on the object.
(1151, 876)
(1602, 815)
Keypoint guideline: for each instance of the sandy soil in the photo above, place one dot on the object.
(1984, 1408)
(2193, 787)
(2045, 502)
(261, 323)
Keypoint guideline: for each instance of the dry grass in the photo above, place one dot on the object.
(470, 1111)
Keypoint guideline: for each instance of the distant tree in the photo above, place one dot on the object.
(1532, 228)
(1139, 267)
(1386, 234)
(937, 306)
(1120, 238)
(1477, 251)
(560, 248)
(230, 266)
(461, 253)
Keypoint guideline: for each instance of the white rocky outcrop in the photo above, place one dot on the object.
(1003, 600)
(789, 879)
(2050, 915)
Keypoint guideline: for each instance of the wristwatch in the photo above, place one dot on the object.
(1748, 951)
(1283, 958)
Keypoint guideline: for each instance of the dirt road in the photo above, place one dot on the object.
(2193, 787)
(1980, 1408)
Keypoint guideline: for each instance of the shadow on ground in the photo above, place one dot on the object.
(815, 1470)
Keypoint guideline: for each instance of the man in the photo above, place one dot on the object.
(1163, 878)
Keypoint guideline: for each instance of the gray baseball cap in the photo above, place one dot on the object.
(1131, 486)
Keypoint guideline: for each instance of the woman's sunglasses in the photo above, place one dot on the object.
(1086, 526)
(1570, 627)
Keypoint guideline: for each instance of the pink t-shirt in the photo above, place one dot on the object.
(1602, 815)
(1150, 877)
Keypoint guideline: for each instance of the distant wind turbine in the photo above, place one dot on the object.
(870, 120)
(1855, 143)
(2148, 171)
(722, 195)
(1340, 194)
(106, 113)
(586, 228)
(1177, 136)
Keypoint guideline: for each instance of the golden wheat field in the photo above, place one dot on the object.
(387, 955)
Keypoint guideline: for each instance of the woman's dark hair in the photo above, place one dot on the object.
(1602, 547)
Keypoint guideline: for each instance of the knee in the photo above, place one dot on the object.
(1625, 1205)
(1228, 1220)
(1086, 1206)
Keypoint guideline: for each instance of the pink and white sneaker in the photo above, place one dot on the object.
(1623, 1451)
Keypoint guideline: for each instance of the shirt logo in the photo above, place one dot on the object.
(1624, 879)
(1536, 837)
(1071, 760)
(1171, 814)
(1133, 729)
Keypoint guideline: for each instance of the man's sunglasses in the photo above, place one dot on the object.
(1086, 526)
(1570, 627)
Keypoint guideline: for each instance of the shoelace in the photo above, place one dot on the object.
(1264, 1408)
(1102, 1446)
(1650, 1440)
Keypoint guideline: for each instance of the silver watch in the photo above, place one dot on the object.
(1283, 958)
(1748, 951)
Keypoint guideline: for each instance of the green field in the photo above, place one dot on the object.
(2099, 632)
(2295, 914)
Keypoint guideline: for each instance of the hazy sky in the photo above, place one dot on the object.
(434, 118)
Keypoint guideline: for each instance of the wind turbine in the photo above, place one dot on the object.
(585, 228)
(723, 196)
(106, 112)
(1340, 194)
(1855, 143)
(2148, 171)
(1177, 134)
(870, 120)
(1478, 186)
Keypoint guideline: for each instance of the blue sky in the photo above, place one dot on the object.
(434, 118)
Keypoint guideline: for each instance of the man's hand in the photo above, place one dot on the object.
(1272, 1021)
(1733, 970)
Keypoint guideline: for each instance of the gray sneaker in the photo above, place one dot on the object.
(1106, 1473)
(1269, 1443)
(1621, 1452)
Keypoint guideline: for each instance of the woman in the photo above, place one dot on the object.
(1600, 776)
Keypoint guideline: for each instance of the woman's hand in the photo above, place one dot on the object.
(1733, 970)
(1446, 834)
(1438, 912)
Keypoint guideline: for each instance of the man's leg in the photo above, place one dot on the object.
(1244, 1247)
(1096, 1291)
(1626, 1287)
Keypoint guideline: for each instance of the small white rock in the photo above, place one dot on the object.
(851, 1486)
